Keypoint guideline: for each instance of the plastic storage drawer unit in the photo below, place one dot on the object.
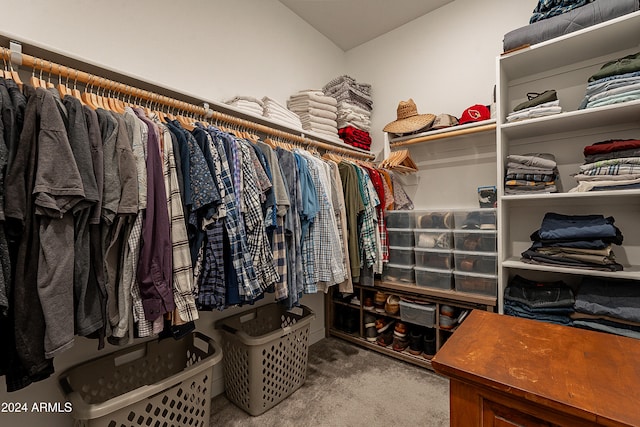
(401, 256)
(400, 219)
(476, 262)
(418, 314)
(479, 219)
(166, 382)
(434, 258)
(475, 283)
(434, 278)
(400, 237)
(433, 238)
(266, 351)
(475, 240)
(396, 273)
(434, 219)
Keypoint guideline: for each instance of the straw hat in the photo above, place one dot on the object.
(408, 120)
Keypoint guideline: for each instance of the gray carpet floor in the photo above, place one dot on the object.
(350, 386)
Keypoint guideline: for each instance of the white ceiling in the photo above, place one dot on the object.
(349, 23)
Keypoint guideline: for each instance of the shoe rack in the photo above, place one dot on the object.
(345, 317)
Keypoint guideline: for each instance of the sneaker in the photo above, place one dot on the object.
(429, 348)
(400, 344)
(416, 342)
(368, 303)
(370, 331)
(386, 338)
(400, 330)
(355, 300)
(382, 325)
(392, 305)
(379, 300)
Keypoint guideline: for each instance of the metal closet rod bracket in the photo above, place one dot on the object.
(16, 52)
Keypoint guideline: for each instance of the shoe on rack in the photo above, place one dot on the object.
(355, 300)
(447, 322)
(447, 310)
(416, 341)
(400, 343)
(429, 348)
(351, 321)
(370, 331)
(386, 338)
(392, 305)
(379, 300)
(400, 330)
(383, 324)
(368, 303)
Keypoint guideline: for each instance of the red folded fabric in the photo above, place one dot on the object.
(611, 146)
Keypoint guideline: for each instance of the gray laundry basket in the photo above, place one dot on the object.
(157, 383)
(266, 352)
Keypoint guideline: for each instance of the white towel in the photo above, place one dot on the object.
(323, 113)
(308, 118)
(314, 96)
(320, 126)
(303, 106)
(351, 107)
(271, 105)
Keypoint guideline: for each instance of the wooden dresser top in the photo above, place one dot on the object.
(592, 375)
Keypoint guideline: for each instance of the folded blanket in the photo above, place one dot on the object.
(313, 96)
(320, 127)
(577, 19)
(307, 118)
(277, 114)
(350, 107)
(303, 106)
(611, 146)
(271, 105)
(248, 106)
(318, 112)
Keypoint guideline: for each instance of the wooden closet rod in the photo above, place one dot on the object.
(442, 135)
(87, 79)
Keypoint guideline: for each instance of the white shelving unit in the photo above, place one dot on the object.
(565, 64)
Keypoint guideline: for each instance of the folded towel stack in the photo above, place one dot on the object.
(354, 104)
(248, 104)
(316, 111)
(280, 113)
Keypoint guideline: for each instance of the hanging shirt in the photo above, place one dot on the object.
(310, 208)
(341, 221)
(254, 222)
(154, 267)
(354, 208)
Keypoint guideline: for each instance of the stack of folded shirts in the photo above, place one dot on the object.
(546, 301)
(279, 113)
(537, 105)
(354, 105)
(580, 241)
(317, 112)
(608, 305)
(531, 173)
(617, 81)
(610, 165)
(247, 104)
(355, 137)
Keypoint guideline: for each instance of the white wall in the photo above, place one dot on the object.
(214, 49)
(444, 60)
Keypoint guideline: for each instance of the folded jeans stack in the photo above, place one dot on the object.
(546, 301)
(317, 112)
(580, 241)
(608, 305)
(531, 173)
(616, 81)
(609, 165)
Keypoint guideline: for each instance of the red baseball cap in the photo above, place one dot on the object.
(475, 113)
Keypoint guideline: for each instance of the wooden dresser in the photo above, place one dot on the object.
(508, 371)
